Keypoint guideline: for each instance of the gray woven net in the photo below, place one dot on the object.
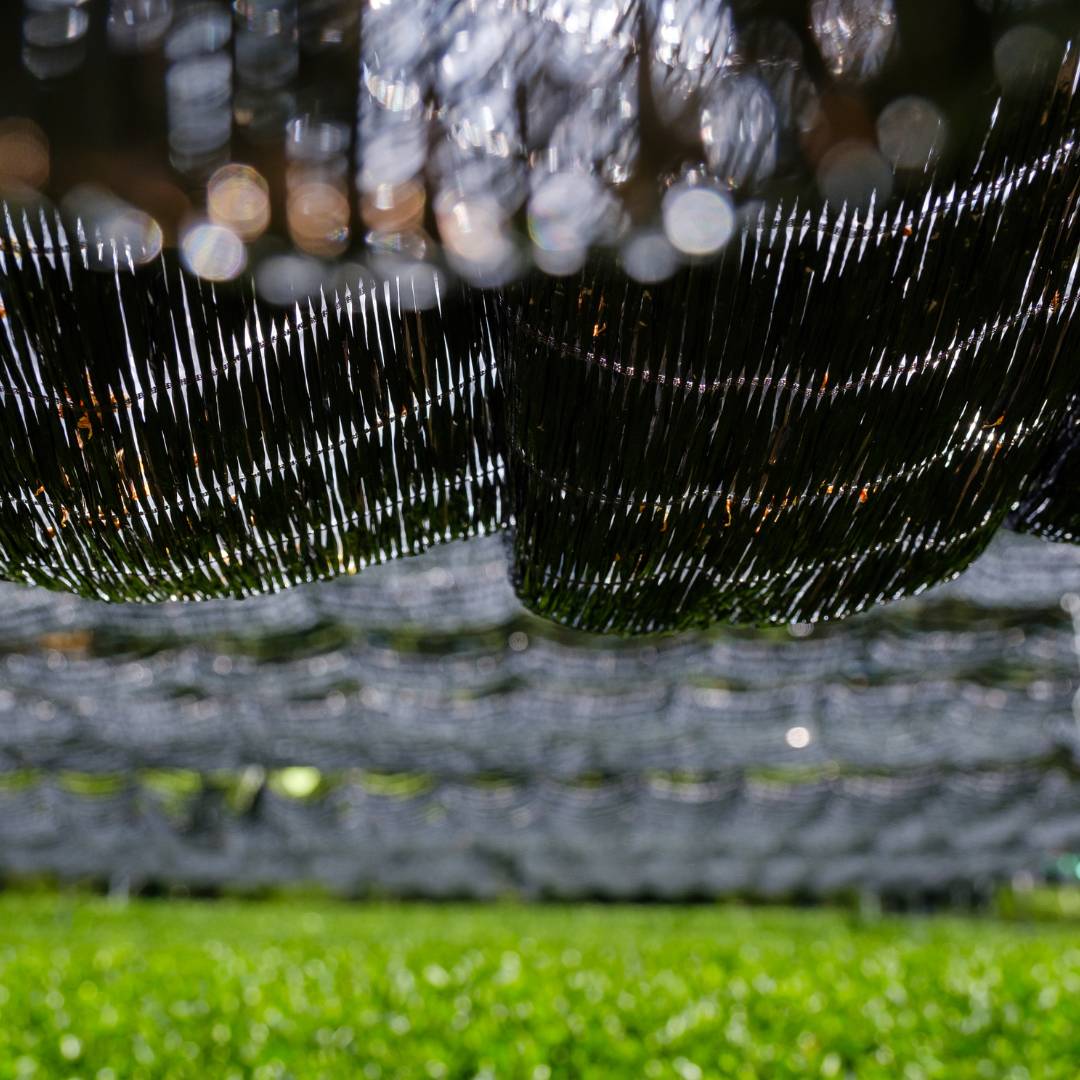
(723, 316)
(415, 731)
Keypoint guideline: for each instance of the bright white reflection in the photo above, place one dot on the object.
(212, 252)
(798, 738)
(854, 36)
(565, 211)
(739, 130)
(693, 37)
(596, 37)
(698, 220)
(394, 95)
(559, 263)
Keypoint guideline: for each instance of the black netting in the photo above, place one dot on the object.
(1051, 506)
(728, 318)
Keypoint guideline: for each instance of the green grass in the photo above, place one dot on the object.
(318, 989)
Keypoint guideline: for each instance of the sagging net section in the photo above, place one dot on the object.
(414, 731)
(835, 401)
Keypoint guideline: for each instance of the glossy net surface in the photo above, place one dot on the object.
(798, 335)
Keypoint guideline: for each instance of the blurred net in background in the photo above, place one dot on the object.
(414, 731)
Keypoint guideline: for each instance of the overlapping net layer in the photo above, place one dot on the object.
(907, 837)
(414, 730)
(817, 355)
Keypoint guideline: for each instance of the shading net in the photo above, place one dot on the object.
(725, 313)
(415, 731)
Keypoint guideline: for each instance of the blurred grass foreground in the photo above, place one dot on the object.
(297, 988)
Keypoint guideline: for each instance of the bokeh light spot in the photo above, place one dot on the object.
(647, 256)
(798, 738)
(698, 220)
(238, 197)
(213, 252)
(911, 133)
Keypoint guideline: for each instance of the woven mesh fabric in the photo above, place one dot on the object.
(1051, 505)
(430, 666)
(840, 409)
(166, 439)
(464, 747)
(893, 837)
(755, 466)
